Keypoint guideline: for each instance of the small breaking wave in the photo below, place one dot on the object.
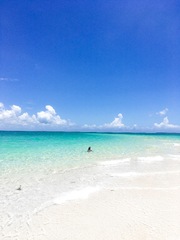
(151, 188)
(115, 162)
(76, 195)
(176, 144)
(68, 196)
(174, 157)
(139, 174)
(151, 159)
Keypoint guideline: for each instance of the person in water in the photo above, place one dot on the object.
(89, 149)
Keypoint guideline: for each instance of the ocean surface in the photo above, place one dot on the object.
(55, 167)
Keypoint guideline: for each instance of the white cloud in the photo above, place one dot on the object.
(50, 117)
(90, 127)
(15, 117)
(5, 79)
(1, 105)
(163, 112)
(116, 123)
(165, 124)
(16, 109)
(51, 109)
(10, 115)
(26, 120)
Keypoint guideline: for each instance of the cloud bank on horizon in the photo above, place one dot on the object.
(165, 124)
(15, 119)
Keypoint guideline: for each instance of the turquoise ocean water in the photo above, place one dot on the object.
(54, 167)
(65, 150)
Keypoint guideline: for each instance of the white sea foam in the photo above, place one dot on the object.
(174, 157)
(139, 174)
(68, 196)
(151, 159)
(177, 144)
(76, 194)
(42, 207)
(115, 162)
(149, 188)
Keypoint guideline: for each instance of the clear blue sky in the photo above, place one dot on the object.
(90, 61)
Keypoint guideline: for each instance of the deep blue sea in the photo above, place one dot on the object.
(54, 167)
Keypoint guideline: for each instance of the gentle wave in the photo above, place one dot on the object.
(115, 162)
(177, 144)
(151, 159)
(149, 188)
(76, 194)
(139, 174)
(174, 157)
(68, 196)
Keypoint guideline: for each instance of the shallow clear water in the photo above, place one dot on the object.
(21, 149)
(53, 167)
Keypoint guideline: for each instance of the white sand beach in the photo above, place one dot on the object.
(111, 214)
(128, 213)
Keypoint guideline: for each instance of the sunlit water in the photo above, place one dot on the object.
(53, 167)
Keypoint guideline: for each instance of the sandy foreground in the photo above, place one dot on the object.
(111, 214)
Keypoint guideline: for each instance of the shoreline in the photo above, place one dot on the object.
(110, 204)
(110, 214)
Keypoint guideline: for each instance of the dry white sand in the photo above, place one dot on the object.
(111, 214)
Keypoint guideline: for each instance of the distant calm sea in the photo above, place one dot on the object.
(54, 167)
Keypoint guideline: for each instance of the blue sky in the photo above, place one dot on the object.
(90, 65)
